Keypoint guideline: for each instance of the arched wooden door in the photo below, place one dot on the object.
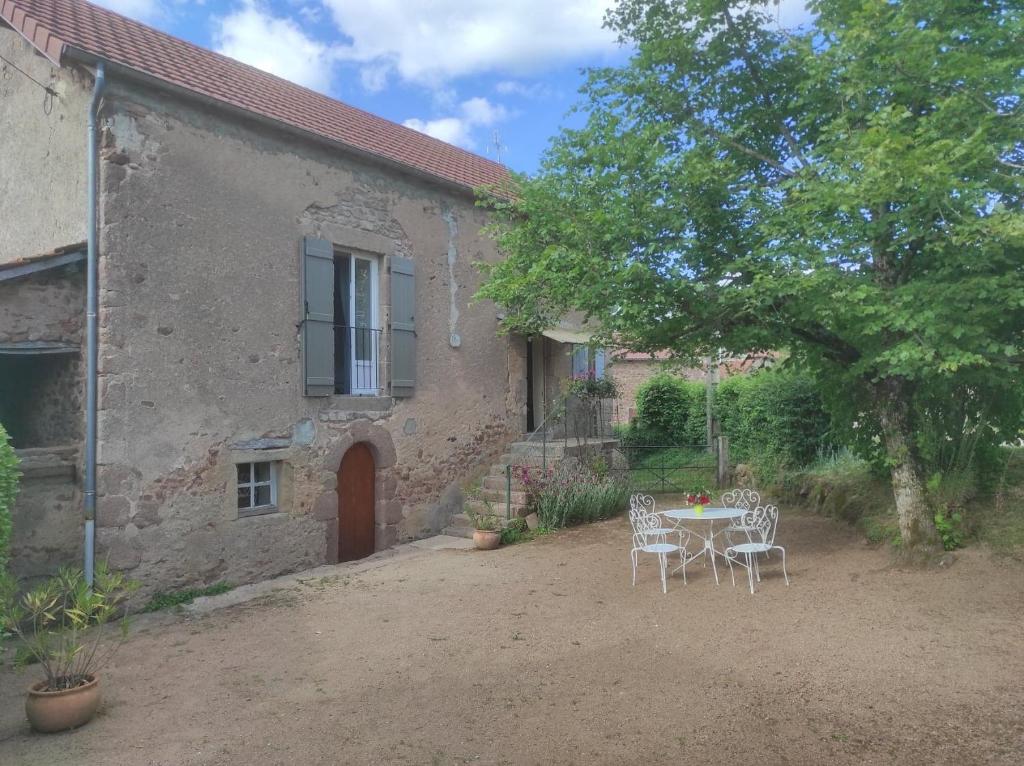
(355, 504)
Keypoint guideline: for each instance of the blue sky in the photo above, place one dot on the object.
(464, 71)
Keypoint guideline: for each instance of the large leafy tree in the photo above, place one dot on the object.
(850, 192)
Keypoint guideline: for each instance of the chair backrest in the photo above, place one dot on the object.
(741, 498)
(765, 522)
(642, 517)
(641, 502)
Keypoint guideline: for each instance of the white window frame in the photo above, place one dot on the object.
(374, 362)
(252, 484)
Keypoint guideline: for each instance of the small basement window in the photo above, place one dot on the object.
(257, 487)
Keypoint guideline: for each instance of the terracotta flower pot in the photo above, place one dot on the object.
(64, 709)
(486, 539)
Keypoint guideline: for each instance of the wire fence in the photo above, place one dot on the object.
(667, 468)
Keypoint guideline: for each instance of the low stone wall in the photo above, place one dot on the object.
(47, 516)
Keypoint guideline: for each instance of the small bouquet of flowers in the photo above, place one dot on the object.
(701, 496)
(698, 498)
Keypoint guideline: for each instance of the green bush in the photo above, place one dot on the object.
(9, 475)
(671, 410)
(773, 417)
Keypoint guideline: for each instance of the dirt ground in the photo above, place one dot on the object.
(542, 653)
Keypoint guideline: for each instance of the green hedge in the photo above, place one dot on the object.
(670, 411)
(9, 475)
(773, 416)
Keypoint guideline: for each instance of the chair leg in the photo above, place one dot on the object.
(750, 573)
(784, 574)
(732, 573)
(632, 557)
(663, 561)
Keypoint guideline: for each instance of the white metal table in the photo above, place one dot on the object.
(679, 515)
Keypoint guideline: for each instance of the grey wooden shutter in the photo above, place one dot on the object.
(403, 326)
(318, 316)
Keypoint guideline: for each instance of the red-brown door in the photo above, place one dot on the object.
(355, 504)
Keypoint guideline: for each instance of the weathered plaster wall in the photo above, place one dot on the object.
(42, 152)
(201, 223)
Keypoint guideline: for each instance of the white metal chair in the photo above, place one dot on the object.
(747, 499)
(639, 505)
(646, 525)
(765, 521)
(650, 536)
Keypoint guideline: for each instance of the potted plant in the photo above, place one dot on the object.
(61, 625)
(486, 526)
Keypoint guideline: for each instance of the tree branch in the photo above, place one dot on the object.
(755, 75)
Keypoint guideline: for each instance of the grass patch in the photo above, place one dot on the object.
(180, 597)
(670, 469)
(1000, 518)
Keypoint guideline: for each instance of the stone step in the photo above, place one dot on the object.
(459, 526)
(497, 497)
(499, 483)
(524, 449)
(531, 461)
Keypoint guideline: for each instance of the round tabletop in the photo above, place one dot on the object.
(709, 513)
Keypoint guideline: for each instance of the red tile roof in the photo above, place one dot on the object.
(54, 26)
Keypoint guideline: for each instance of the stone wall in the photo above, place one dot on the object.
(42, 152)
(41, 399)
(41, 395)
(45, 306)
(201, 222)
(46, 517)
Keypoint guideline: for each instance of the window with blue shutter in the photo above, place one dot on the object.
(403, 326)
(317, 311)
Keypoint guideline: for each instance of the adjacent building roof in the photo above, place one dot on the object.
(61, 256)
(62, 28)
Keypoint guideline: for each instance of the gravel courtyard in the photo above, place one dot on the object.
(543, 654)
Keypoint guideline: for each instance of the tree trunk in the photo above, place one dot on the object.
(917, 528)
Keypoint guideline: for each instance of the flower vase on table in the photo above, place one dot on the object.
(698, 500)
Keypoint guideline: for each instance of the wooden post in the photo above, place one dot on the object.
(723, 461)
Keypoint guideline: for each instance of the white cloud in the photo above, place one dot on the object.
(431, 41)
(480, 111)
(276, 45)
(374, 78)
(473, 113)
(535, 90)
(452, 130)
(143, 10)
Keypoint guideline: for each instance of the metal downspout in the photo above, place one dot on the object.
(91, 334)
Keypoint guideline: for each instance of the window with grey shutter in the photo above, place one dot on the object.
(403, 326)
(318, 316)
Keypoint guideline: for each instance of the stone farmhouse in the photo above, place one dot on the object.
(236, 336)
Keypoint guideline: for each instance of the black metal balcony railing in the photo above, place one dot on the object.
(356, 360)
